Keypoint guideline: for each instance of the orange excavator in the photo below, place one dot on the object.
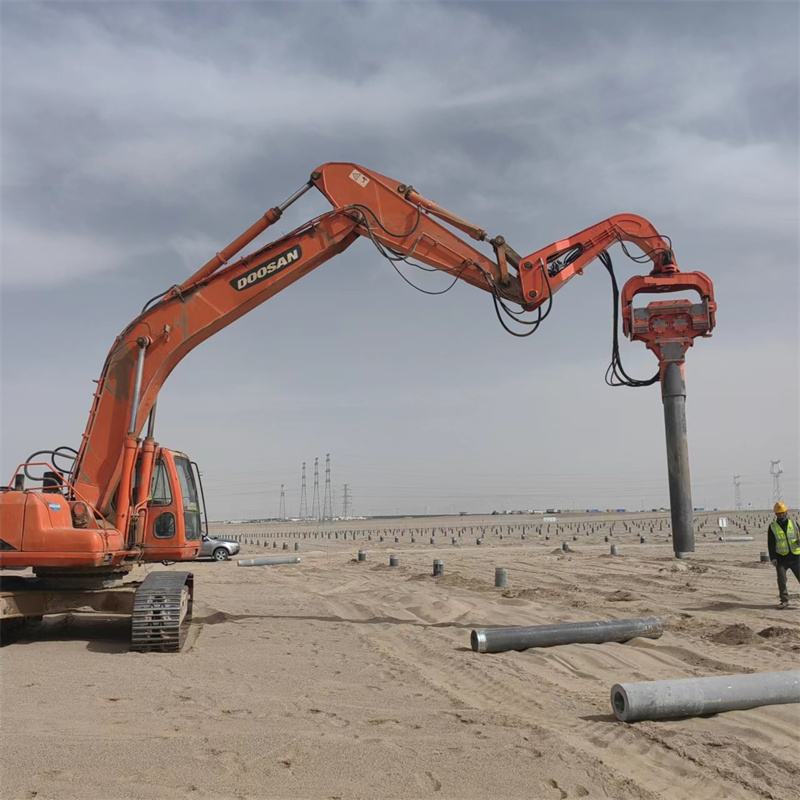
(122, 499)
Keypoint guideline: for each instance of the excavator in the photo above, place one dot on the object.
(121, 499)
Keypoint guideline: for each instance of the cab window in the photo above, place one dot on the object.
(191, 507)
(161, 493)
(186, 480)
(164, 527)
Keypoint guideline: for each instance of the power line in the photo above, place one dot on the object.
(327, 508)
(303, 500)
(737, 493)
(346, 501)
(776, 471)
(315, 502)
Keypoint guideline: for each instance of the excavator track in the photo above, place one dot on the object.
(162, 611)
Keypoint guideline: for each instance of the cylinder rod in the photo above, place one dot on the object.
(268, 562)
(295, 196)
(691, 697)
(673, 391)
(151, 420)
(137, 386)
(499, 640)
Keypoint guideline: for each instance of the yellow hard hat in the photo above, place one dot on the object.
(780, 508)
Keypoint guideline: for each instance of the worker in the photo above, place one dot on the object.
(783, 540)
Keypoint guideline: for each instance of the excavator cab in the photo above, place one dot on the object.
(93, 557)
(172, 521)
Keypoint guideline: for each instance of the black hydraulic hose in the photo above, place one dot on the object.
(618, 376)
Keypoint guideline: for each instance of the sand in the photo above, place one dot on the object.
(338, 679)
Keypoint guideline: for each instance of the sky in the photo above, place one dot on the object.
(139, 138)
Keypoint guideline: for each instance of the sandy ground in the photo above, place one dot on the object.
(338, 679)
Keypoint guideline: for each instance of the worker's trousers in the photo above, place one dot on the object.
(784, 563)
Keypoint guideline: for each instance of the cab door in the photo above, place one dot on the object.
(171, 532)
(192, 523)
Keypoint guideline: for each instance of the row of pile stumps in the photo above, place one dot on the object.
(655, 528)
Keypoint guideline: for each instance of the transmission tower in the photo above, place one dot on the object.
(327, 509)
(282, 507)
(776, 472)
(303, 501)
(315, 501)
(737, 493)
(346, 512)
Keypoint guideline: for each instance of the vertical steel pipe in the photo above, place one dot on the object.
(673, 392)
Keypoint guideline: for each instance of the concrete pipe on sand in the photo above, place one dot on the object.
(268, 562)
(500, 640)
(692, 697)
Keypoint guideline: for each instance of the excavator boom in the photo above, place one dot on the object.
(153, 344)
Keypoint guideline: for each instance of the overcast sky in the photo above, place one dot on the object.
(140, 138)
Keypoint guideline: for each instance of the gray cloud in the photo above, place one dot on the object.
(138, 138)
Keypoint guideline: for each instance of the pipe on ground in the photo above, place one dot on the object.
(268, 562)
(691, 697)
(499, 640)
(736, 538)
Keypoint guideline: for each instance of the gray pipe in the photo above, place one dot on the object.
(691, 697)
(266, 562)
(673, 393)
(736, 538)
(499, 640)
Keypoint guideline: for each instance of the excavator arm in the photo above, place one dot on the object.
(397, 220)
(529, 281)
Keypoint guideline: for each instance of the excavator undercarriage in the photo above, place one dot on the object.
(159, 607)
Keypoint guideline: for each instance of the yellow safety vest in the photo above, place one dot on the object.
(786, 541)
